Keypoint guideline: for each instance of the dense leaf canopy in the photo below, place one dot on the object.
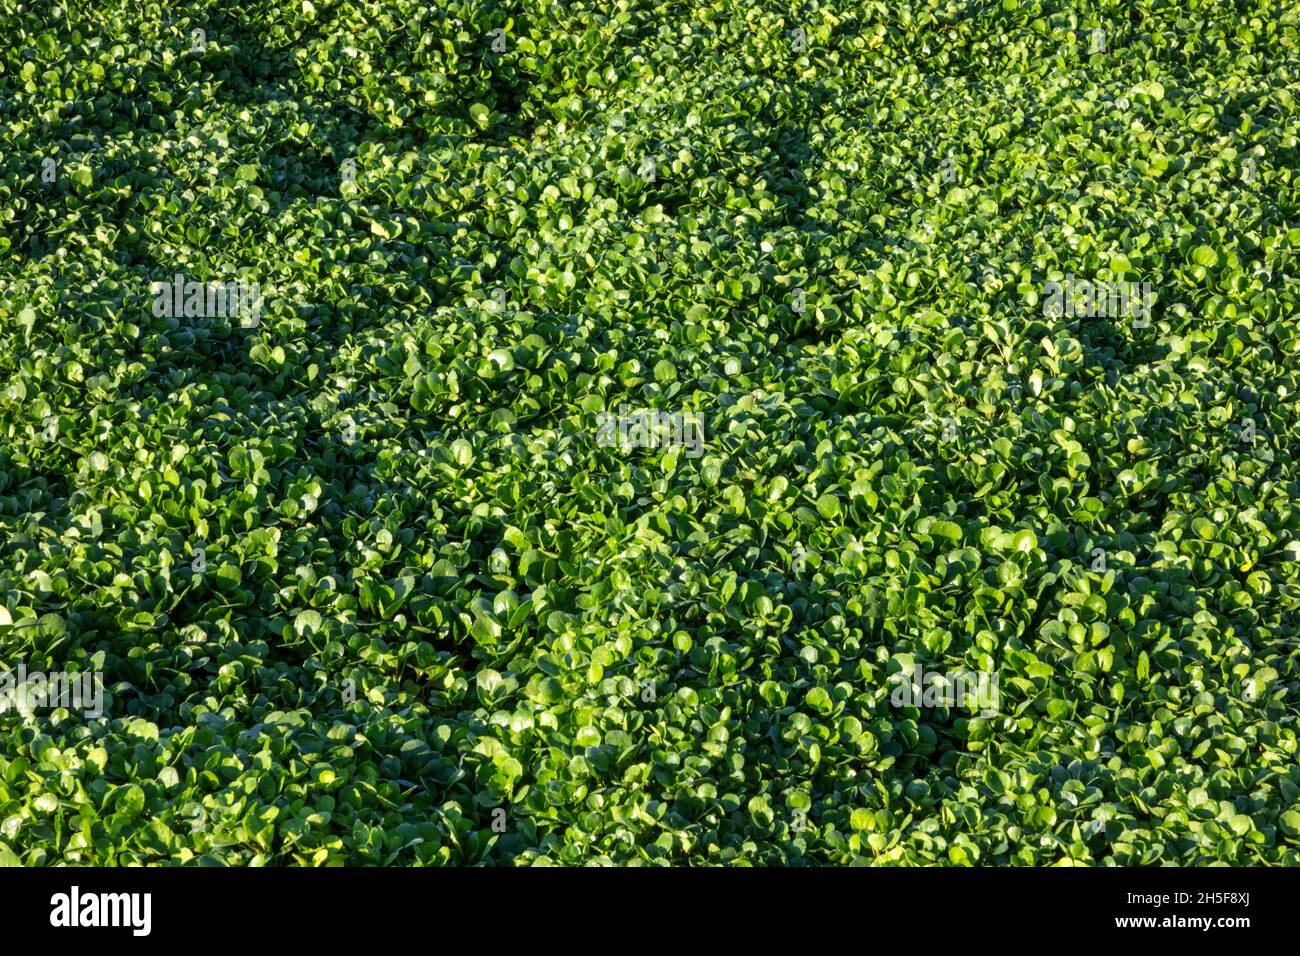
(365, 587)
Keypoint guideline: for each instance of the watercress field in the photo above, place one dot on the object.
(572, 427)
